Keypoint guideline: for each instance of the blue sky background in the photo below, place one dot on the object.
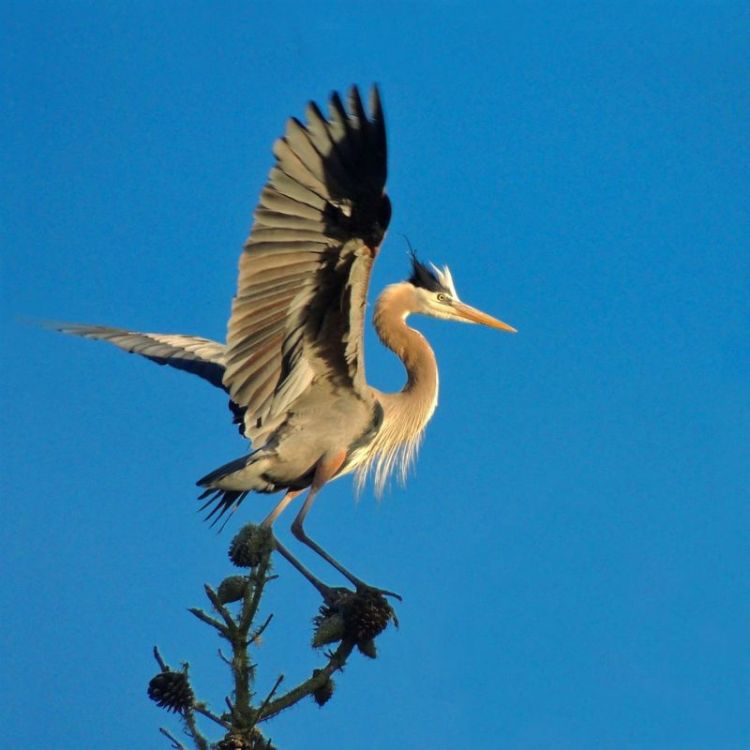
(573, 549)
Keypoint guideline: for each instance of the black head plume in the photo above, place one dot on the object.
(432, 279)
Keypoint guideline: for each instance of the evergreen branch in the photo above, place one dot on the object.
(200, 741)
(350, 620)
(335, 662)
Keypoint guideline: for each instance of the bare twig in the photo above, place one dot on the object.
(250, 604)
(226, 661)
(203, 710)
(220, 608)
(200, 741)
(176, 744)
(203, 617)
(267, 699)
(259, 632)
(162, 664)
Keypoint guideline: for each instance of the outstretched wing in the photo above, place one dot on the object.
(298, 314)
(193, 354)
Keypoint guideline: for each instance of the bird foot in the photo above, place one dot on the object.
(363, 587)
(333, 595)
(356, 616)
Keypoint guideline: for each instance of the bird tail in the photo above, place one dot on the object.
(222, 501)
(227, 486)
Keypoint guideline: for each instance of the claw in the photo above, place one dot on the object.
(332, 595)
(382, 592)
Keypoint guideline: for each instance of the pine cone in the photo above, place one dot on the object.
(329, 627)
(368, 649)
(250, 546)
(323, 693)
(239, 742)
(366, 615)
(357, 617)
(233, 742)
(171, 691)
(232, 589)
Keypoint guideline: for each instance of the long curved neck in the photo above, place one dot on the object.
(406, 413)
(411, 347)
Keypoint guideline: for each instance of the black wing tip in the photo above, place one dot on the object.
(353, 110)
(376, 103)
(355, 104)
(44, 323)
(349, 172)
(357, 107)
(85, 330)
(355, 100)
(336, 107)
(56, 325)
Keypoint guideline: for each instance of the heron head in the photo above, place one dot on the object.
(437, 297)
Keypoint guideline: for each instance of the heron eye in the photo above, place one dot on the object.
(442, 298)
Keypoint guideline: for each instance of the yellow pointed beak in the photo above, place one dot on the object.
(467, 312)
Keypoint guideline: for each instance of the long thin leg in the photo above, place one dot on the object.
(323, 589)
(279, 509)
(326, 469)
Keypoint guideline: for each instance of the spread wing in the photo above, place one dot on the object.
(199, 356)
(298, 314)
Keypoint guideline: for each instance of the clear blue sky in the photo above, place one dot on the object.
(573, 548)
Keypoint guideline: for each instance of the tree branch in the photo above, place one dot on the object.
(352, 621)
(335, 662)
(176, 744)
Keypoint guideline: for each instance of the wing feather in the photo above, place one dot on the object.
(270, 218)
(290, 187)
(276, 201)
(200, 356)
(298, 314)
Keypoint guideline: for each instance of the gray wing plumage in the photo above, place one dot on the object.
(303, 276)
(199, 356)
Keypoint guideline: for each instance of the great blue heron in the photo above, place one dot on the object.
(293, 364)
